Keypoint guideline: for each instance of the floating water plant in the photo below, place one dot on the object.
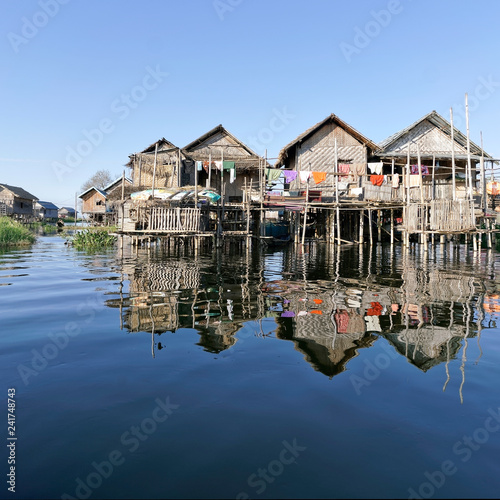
(93, 239)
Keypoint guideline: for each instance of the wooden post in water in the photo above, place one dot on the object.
(361, 226)
(337, 192)
(305, 213)
(392, 227)
(379, 226)
(370, 225)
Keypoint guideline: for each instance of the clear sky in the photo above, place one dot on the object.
(85, 83)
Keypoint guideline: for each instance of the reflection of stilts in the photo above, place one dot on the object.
(448, 348)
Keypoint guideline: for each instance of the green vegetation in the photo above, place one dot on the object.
(14, 233)
(93, 239)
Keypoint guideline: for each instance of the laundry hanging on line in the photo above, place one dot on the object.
(304, 176)
(377, 180)
(376, 168)
(395, 181)
(414, 170)
(273, 174)
(319, 177)
(290, 175)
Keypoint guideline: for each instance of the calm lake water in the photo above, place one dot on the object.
(272, 374)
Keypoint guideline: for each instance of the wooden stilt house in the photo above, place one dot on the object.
(225, 164)
(331, 147)
(17, 202)
(441, 174)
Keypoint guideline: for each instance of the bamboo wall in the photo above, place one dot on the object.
(317, 153)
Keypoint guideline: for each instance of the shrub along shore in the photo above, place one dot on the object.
(13, 233)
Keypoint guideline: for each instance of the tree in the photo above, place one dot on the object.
(99, 180)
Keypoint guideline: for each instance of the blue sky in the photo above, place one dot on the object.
(104, 79)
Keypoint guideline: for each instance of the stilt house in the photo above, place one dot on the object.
(16, 202)
(225, 164)
(330, 151)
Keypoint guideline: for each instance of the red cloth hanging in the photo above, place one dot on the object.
(377, 180)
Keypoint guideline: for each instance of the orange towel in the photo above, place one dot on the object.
(319, 177)
(377, 180)
(318, 301)
(316, 311)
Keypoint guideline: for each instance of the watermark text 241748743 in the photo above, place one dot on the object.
(11, 439)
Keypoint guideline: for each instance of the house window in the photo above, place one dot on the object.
(21, 204)
(98, 202)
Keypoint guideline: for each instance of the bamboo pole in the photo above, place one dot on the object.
(337, 193)
(483, 178)
(154, 172)
(179, 178)
(469, 167)
(209, 169)
(361, 227)
(305, 213)
(454, 187)
(370, 225)
(196, 184)
(140, 170)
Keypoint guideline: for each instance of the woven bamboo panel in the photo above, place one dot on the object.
(452, 215)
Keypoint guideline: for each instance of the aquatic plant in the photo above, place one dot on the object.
(14, 233)
(93, 239)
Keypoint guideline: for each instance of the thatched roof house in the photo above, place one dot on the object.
(171, 169)
(316, 150)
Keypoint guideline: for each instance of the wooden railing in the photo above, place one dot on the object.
(175, 220)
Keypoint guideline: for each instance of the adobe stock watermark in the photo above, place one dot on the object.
(373, 370)
(222, 7)
(131, 440)
(58, 341)
(483, 90)
(463, 448)
(121, 107)
(277, 123)
(31, 27)
(260, 480)
(363, 37)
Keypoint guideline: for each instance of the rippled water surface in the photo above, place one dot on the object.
(262, 374)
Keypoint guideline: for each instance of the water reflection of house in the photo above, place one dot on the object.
(429, 345)
(166, 295)
(322, 326)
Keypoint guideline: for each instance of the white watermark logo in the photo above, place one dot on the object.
(31, 27)
(121, 106)
(363, 36)
(222, 7)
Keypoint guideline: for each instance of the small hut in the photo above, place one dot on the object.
(45, 210)
(94, 204)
